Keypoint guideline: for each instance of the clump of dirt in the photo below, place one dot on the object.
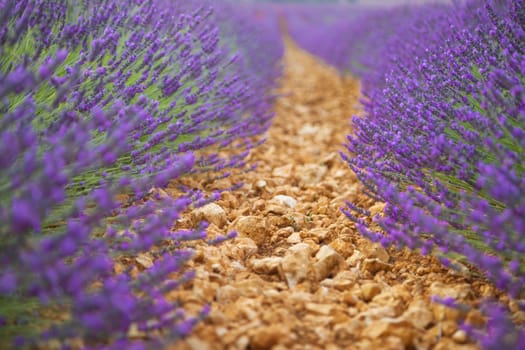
(299, 276)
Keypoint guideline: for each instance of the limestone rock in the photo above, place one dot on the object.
(266, 265)
(294, 238)
(145, 260)
(286, 201)
(420, 316)
(460, 336)
(319, 309)
(227, 294)
(346, 249)
(377, 208)
(197, 344)
(378, 313)
(296, 264)
(328, 262)
(268, 336)
(461, 291)
(356, 258)
(311, 174)
(319, 233)
(283, 171)
(370, 290)
(212, 213)
(253, 227)
(246, 247)
(375, 265)
(376, 251)
(391, 327)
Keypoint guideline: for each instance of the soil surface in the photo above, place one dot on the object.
(299, 275)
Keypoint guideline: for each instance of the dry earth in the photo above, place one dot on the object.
(299, 276)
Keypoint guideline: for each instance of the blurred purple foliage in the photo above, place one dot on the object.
(102, 98)
(442, 139)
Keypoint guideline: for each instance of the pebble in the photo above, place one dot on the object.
(294, 238)
(460, 336)
(212, 213)
(287, 201)
(266, 265)
(375, 265)
(370, 290)
(328, 262)
(267, 337)
(253, 227)
(296, 264)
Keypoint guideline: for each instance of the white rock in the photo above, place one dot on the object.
(328, 262)
(266, 265)
(247, 246)
(294, 238)
(211, 212)
(296, 264)
(287, 201)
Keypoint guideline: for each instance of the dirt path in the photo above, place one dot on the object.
(299, 276)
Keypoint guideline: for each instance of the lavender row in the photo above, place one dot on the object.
(104, 100)
(442, 141)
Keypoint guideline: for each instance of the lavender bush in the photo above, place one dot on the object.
(104, 100)
(442, 141)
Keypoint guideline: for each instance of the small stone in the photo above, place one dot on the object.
(294, 238)
(320, 309)
(260, 184)
(216, 267)
(355, 258)
(377, 208)
(391, 327)
(144, 260)
(475, 318)
(342, 284)
(276, 209)
(442, 312)
(319, 233)
(311, 174)
(246, 246)
(375, 265)
(266, 265)
(370, 290)
(268, 336)
(346, 249)
(197, 344)
(135, 332)
(328, 262)
(446, 344)
(253, 227)
(461, 291)
(313, 246)
(419, 316)
(283, 171)
(350, 299)
(296, 264)
(448, 328)
(211, 212)
(378, 252)
(242, 342)
(378, 313)
(251, 287)
(349, 330)
(227, 294)
(460, 336)
(286, 201)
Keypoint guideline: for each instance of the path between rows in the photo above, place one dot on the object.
(299, 276)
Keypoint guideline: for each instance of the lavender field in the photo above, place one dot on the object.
(241, 175)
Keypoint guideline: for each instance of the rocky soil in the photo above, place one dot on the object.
(299, 276)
